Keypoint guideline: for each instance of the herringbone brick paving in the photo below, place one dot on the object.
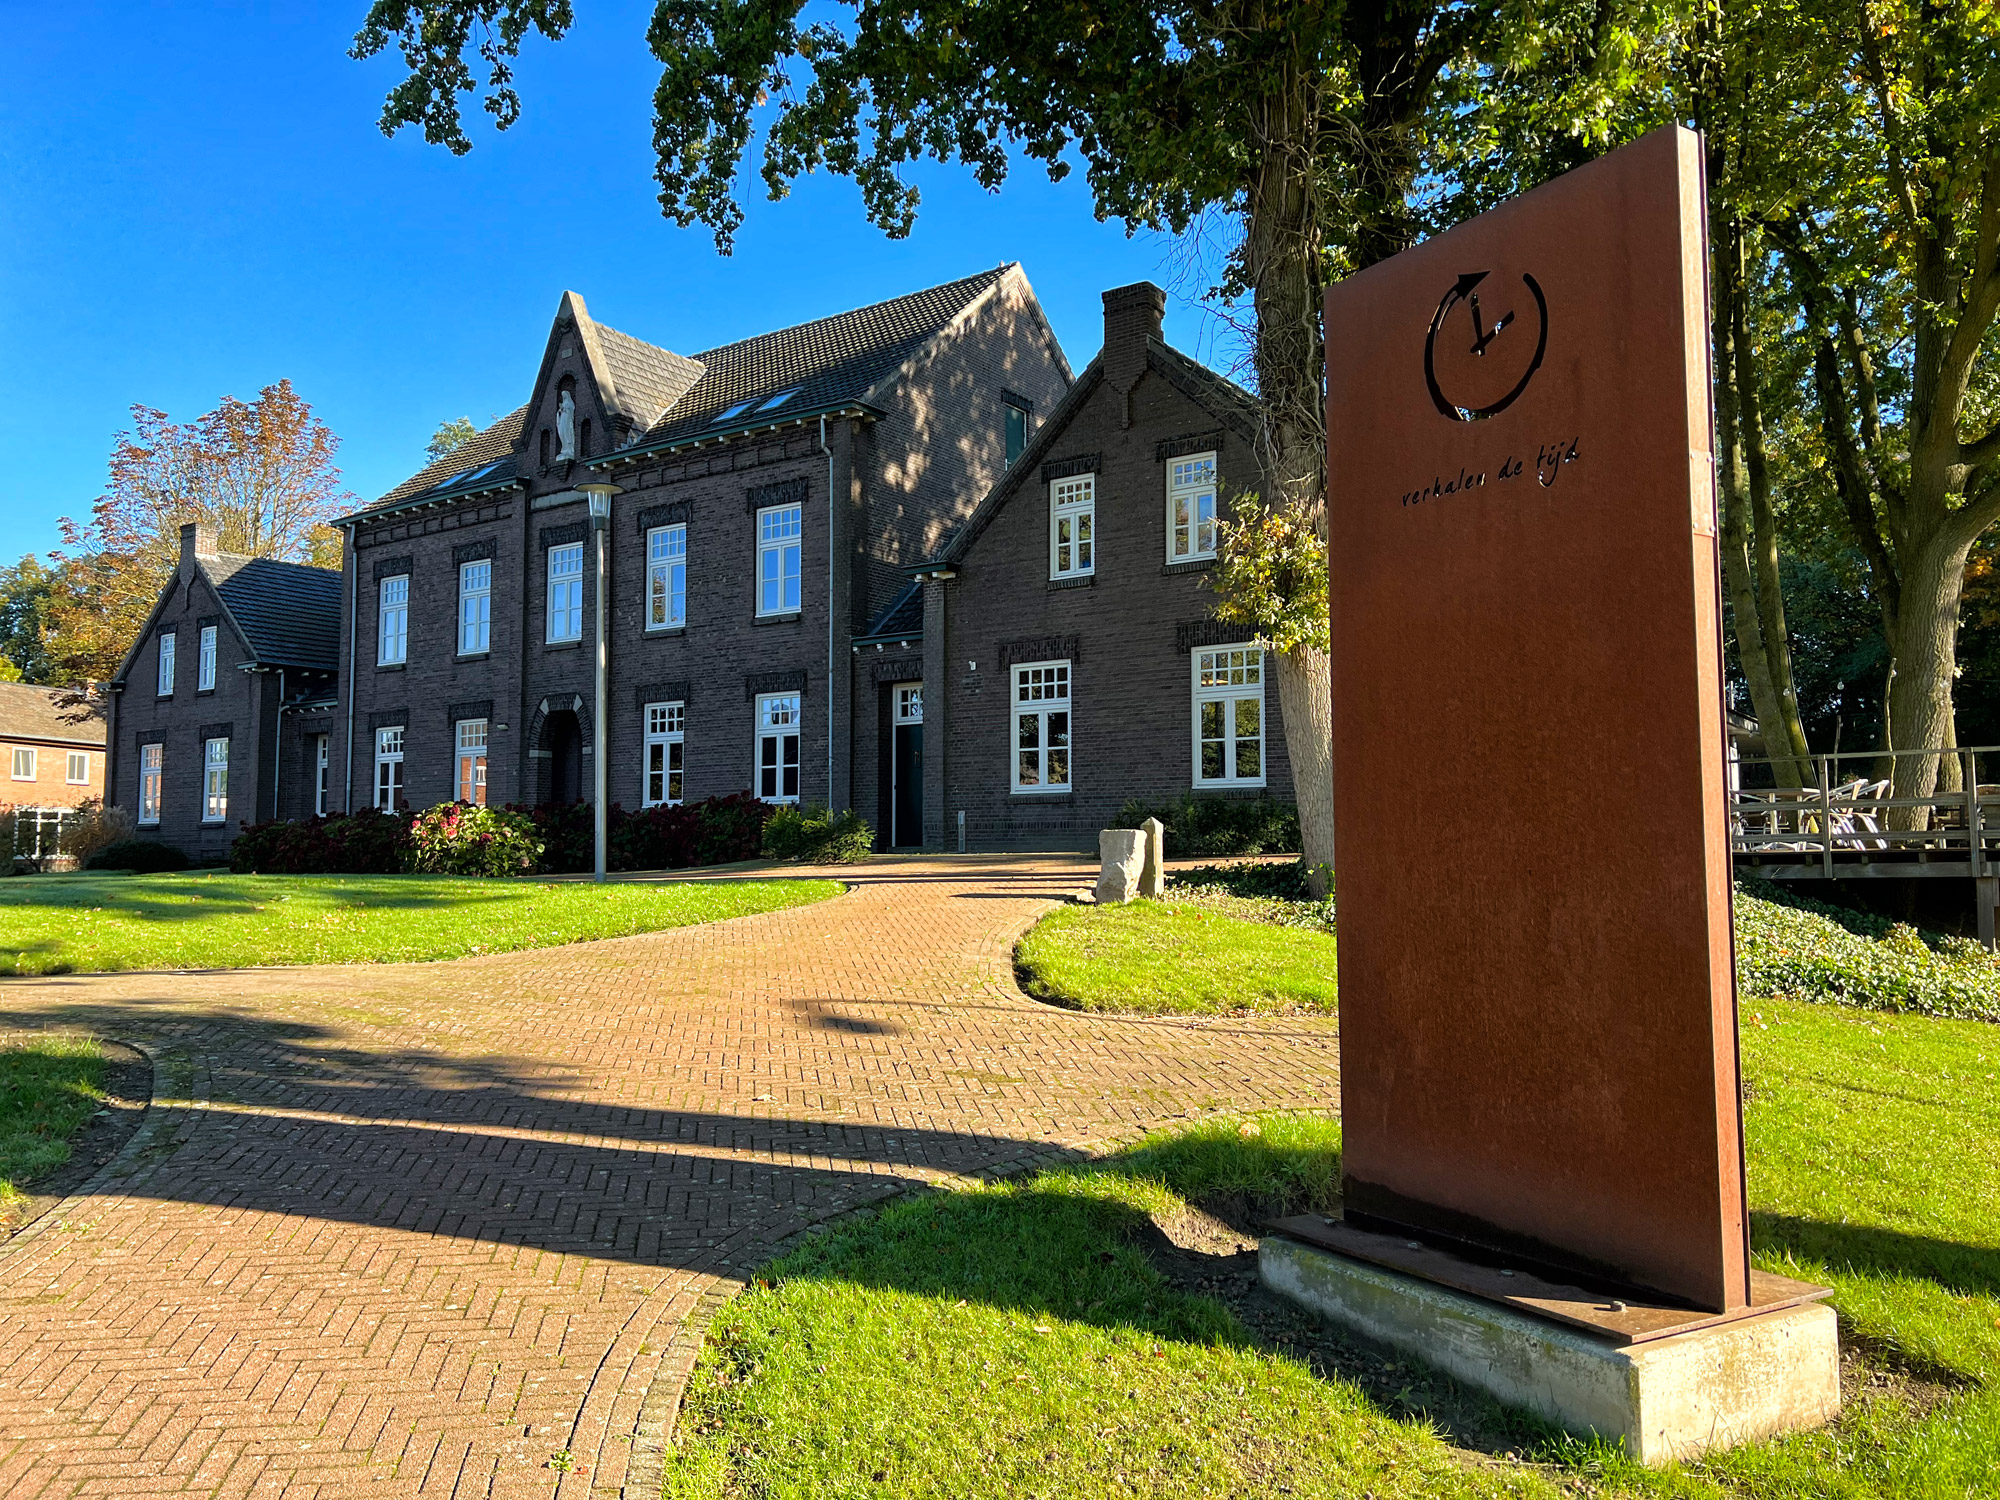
(414, 1229)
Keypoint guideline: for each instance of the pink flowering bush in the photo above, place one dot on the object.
(458, 838)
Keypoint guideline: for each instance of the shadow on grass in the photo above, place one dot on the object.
(1970, 1270)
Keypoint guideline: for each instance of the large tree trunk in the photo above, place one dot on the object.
(1925, 645)
(1281, 252)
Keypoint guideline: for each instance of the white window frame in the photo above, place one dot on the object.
(389, 783)
(565, 597)
(1041, 691)
(1073, 526)
(166, 664)
(77, 770)
(468, 782)
(1228, 676)
(152, 760)
(663, 767)
(322, 772)
(392, 634)
(215, 780)
(774, 730)
(25, 766)
(666, 577)
(475, 606)
(204, 671)
(780, 559)
(909, 703)
(1191, 492)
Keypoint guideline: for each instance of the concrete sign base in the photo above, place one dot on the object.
(1663, 1399)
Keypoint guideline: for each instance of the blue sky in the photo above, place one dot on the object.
(196, 201)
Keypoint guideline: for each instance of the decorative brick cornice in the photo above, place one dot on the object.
(1064, 468)
(1040, 648)
(1186, 443)
(221, 731)
(755, 683)
(1189, 634)
(562, 536)
(660, 692)
(388, 718)
(777, 492)
(471, 708)
(900, 669)
(392, 567)
(466, 552)
(673, 513)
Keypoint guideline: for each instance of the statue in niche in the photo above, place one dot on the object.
(566, 426)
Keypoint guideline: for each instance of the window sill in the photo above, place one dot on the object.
(653, 631)
(389, 666)
(204, 692)
(1079, 581)
(163, 697)
(562, 645)
(1189, 565)
(142, 823)
(1044, 791)
(1228, 786)
(791, 617)
(472, 656)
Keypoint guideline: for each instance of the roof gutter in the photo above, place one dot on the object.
(424, 500)
(858, 409)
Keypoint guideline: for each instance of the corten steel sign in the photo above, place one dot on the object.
(1538, 1022)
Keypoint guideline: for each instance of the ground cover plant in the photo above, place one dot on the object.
(1176, 957)
(813, 835)
(1209, 827)
(1017, 1339)
(49, 1087)
(61, 924)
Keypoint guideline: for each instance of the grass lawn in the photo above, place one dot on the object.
(69, 924)
(1013, 1339)
(49, 1086)
(1176, 957)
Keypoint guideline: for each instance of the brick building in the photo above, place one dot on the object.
(220, 710)
(52, 754)
(771, 494)
(1061, 640)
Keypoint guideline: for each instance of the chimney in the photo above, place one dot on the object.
(1132, 315)
(197, 540)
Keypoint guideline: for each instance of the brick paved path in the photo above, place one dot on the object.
(411, 1229)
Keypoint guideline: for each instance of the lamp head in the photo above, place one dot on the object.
(600, 495)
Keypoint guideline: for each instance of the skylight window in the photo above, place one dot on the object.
(466, 476)
(732, 413)
(780, 399)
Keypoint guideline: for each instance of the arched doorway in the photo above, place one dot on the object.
(562, 743)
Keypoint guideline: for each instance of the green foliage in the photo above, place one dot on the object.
(362, 843)
(450, 437)
(1211, 826)
(459, 838)
(1174, 958)
(717, 830)
(812, 835)
(141, 856)
(49, 1088)
(1271, 574)
(61, 924)
(96, 826)
(26, 591)
(1791, 947)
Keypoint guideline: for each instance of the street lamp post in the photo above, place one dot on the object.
(600, 527)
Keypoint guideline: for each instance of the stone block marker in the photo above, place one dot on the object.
(1121, 852)
(1153, 878)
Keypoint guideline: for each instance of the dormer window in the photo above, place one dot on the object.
(732, 413)
(773, 403)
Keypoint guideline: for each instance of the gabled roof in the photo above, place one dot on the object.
(28, 712)
(827, 363)
(1231, 405)
(493, 446)
(902, 620)
(635, 378)
(287, 612)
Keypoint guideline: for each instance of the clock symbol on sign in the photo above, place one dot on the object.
(1477, 360)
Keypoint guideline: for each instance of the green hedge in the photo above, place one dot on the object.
(141, 856)
(1792, 947)
(812, 835)
(1203, 827)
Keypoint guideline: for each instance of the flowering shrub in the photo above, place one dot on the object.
(1800, 949)
(460, 838)
(714, 832)
(813, 835)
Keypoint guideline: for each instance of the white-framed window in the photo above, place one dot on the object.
(394, 640)
(1073, 526)
(204, 670)
(77, 773)
(322, 772)
(389, 767)
(1191, 507)
(150, 758)
(910, 703)
(779, 532)
(215, 781)
(475, 606)
(778, 747)
(166, 664)
(471, 776)
(666, 577)
(1041, 727)
(1229, 716)
(666, 753)
(24, 762)
(566, 592)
